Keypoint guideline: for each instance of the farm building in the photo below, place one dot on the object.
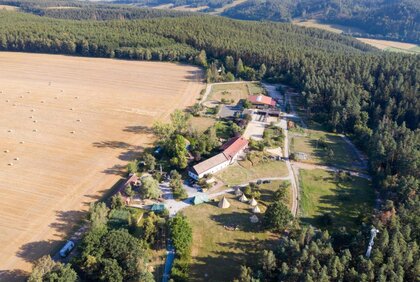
(262, 101)
(231, 150)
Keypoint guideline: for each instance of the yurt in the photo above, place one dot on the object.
(224, 203)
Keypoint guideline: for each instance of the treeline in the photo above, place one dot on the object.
(73, 10)
(212, 4)
(395, 20)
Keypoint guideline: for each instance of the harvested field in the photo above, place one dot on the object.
(92, 116)
(392, 45)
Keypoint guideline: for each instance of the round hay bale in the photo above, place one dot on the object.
(22, 142)
(16, 159)
(35, 121)
(31, 117)
(79, 120)
(10, 130)
(35, 130)
(7, 101)
(72, 132)
(32, 110)
(6, 151)
(61, 90)
(10, 164)
(77, 97)
(42, 101)
(20, 96)
(71, 109)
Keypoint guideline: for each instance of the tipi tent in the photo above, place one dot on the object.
(254, 219)
(224, 203)
(243, 198)
(253, 202)
(238, 192)
(256, 209)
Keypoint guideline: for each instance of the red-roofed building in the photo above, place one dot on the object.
(231, 150)
(262, 101)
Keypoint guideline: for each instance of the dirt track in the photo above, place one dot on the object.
(67, 127)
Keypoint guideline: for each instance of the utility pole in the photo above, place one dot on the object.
(373, 233)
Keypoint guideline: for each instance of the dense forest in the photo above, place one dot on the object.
(348, 86)
(397, 20)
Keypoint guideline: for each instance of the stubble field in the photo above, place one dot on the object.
(68, 125)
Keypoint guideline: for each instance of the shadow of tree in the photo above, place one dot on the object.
(65, 220)
(116, 169)
(239, 219)
(13, 275)
(112, 144)
(35, 250)
(139, 129)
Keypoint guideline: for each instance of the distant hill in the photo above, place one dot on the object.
(382, 19)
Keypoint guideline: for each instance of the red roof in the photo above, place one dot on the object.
(261, 99)
(234, 146)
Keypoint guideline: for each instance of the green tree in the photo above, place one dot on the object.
(117, 201)
(98, 214)
(277, 217)
(150, 188)
(129, 191)
(45, 269)
(181, 233)
(201, 59)
(230, 63)
(132, 167)
(150, 161)
(239, 67)
(110, 271)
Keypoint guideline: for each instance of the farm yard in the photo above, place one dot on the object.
(68, 125)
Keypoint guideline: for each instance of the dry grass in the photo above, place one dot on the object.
(336, 28)
(391, 45)
(108, 104)
(8, 8)
(202, 123)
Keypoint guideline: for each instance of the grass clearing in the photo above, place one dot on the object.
(202, 123)
(234, 91)
(345, 200)
(268, 189)
(218, 253)
(244, 172)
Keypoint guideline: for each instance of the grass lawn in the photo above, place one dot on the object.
(345, 200)
(234, 91)
(218, 253)
(267, 191)
(244, 171)
(202, 123)
(308, 143)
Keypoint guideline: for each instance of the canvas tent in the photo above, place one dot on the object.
(199, 199)
(243, 198)
(256, 209)
(224, 203)
(238, 192)
(253, 202)
(254, 219)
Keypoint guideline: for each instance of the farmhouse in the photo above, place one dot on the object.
(262, 101)
(231, 150)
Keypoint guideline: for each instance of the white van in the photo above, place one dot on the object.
(68, 247)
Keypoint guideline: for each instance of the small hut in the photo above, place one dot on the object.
(253, 202)
(253, 219)
(256, 209)
(224, 203)
(243, 198)
(238, 192)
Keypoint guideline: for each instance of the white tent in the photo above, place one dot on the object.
(253, 202)
(238, 192)
(256, 209)
(243, 198)
(224, 203)
(254, 219)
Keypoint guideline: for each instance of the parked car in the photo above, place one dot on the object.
(259, 181)
(66, 249)
(266, 181)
